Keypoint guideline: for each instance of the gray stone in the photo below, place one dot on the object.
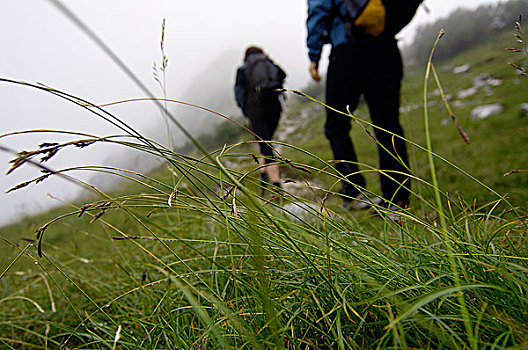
(409, 108)
(467, 92)
(486, 79)
(488, 91)
(302, 210)
(405, 109)
(483, 112)
(461, 69)
(481, 79)
(494, 82)
(524, 109)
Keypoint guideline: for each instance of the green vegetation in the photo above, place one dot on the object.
(465, 29)
(192, 256)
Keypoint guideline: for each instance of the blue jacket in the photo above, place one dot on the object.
(325, 25)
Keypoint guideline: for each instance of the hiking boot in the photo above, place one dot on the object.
(275, 187)
(275, 193)
(348, 192)
(263, 183)
(361, 202)
(269, 188)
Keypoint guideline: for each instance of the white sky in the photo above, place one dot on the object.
(39, 44)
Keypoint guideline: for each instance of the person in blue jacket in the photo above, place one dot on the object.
(360, 64)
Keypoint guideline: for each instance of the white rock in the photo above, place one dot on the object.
(486, 79)
(302, 210)
(405, 109)
(461, 69)
(482, 112)
(467, 92)
(524, 109)
(494, 82)
(481, 79)
(488, 91)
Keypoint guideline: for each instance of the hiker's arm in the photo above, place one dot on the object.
(240, 89)
(318, 25)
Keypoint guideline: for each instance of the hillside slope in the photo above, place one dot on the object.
(192, 256)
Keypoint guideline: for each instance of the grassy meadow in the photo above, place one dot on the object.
(192, 256)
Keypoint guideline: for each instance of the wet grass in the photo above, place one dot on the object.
(193, 256)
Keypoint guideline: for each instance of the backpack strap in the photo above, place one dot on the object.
(354, 7)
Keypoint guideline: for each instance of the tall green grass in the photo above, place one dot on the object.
(194, 256)
(211, 263)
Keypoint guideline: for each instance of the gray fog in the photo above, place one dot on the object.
(204, 43)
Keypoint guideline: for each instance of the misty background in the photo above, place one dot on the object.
(204, 43)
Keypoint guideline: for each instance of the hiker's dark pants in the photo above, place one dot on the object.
(373, 70)
(263, 109)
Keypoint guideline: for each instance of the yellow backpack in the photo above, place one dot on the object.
(379, 18)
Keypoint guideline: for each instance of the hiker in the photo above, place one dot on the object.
(364, 60)
(257, 81)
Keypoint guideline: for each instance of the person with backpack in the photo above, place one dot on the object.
(364, 60)
(256, 91)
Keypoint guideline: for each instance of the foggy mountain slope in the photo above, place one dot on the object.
(212, 88)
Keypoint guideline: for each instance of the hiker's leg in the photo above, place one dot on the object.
(264, 121)
(256, 112)
(258, 117)
(382, 93)
(383, 99)
(340, 93)
(272, 112)
(272, 170)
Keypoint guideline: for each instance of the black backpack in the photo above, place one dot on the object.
(262, 74)
(363, 16)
